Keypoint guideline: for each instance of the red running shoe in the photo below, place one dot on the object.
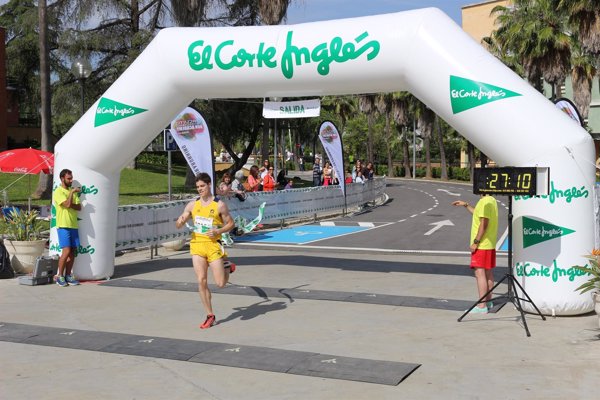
(210, 321)
(228, 264)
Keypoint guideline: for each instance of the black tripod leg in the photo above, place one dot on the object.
(528, 298)
(511, 282)
(482, 297)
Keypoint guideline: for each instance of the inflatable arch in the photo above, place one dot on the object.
(421, 51)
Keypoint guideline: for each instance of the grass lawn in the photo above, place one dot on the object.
(137, 186)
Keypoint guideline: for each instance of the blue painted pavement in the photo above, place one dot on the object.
(300, 234)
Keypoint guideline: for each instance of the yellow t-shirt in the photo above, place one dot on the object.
(65, 217)
(205, 218)
(486, 208)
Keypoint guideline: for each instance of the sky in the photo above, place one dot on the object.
(319, 10)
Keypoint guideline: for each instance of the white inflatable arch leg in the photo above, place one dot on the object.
(420, 51)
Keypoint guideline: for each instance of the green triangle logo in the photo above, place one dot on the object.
(466, 94)
(535, 231)
(110, 111)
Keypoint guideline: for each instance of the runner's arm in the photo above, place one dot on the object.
(185, 216)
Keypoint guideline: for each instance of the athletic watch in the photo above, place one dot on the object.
(476, 241)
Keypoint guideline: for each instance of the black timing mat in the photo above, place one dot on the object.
(299, 293)
(225, 354)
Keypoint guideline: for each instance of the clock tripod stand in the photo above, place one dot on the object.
(486, 181)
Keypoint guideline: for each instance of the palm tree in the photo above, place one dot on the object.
(585, 16)
(426, 118)
(440, 137)
(366, 103)
(538, 34)
(582, 74)
(402, 107)
(383, 102)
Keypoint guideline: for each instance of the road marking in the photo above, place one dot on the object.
(146, 341)
(67, 333)
(304, 233)
(235, 350)
(330, 361)
(449, 192)
(359, 249)
(438, 225)
(343, 234)
(366, 224)
(327, 223)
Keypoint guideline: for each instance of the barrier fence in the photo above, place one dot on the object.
(151, 224)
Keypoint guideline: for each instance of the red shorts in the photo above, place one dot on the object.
(483, 259)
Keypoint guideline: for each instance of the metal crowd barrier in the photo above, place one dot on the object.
(151, 224)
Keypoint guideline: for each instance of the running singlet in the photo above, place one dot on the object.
(205, 218)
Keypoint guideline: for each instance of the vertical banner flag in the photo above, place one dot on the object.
(191, 134)
(332, 143)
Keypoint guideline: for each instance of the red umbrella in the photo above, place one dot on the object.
(26, 161)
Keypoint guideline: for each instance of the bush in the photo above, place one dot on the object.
(23, 225)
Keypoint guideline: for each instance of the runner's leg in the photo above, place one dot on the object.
(201, 270)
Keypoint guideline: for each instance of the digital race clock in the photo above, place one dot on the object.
(508, 181)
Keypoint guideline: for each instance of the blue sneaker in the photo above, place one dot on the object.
(489, 304)
(60, 281)
(479, 310)
(71, 280)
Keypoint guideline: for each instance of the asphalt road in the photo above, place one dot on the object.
(418, 217)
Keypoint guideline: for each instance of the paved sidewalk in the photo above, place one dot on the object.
(487, 357)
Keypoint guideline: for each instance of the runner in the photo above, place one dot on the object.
(211, 219)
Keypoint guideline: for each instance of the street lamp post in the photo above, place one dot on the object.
(275, 99)
(82, 69)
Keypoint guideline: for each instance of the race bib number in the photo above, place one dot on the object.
(203, 224)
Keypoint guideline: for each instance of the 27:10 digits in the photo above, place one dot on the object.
(523, 181)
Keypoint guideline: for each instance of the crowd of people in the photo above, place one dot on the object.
(262, 179)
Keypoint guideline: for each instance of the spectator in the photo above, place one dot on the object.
(281, 179)
(264, 169)
(225, 185)
(253, 181)
(301, 162)
(327, 174)
(369, 171)
(269, 181)
(289, 184)
(357, 167)
(236, 186)
(359, 177)
(349, 177)
(317, 172)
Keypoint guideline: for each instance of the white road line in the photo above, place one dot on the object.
(327, 223)
(345, 234)
(391, 251)
(366, 224)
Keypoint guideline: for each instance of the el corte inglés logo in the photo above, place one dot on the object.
(329, 134)
(110, 111)
(226, 55)
(466, 94)
(535, 231)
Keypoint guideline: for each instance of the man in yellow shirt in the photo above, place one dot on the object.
(67, 204)
(484, 234)
(211, 218)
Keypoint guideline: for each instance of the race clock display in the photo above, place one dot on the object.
(508, 181)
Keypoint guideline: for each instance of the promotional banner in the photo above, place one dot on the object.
(292, 109)
(332, 143)
(567, 106)
(191, 134)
